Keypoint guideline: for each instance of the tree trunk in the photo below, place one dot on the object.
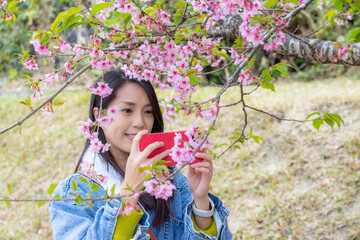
(312, 49)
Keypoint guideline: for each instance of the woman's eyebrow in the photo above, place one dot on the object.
(133, 104)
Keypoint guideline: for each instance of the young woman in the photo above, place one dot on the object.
(191, 213)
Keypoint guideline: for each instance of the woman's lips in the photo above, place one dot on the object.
(130, 136)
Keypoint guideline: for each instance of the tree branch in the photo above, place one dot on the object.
(278, 118)
(18, 123)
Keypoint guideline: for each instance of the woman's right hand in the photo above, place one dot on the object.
(138, 159)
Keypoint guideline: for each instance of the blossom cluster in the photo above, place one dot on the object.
(103, 89)
(88, 129)
(88, 169)
(158, 186)
(183, 149)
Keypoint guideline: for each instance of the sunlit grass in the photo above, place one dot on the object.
(297, 183)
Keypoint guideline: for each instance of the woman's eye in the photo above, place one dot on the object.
(126, 110)
(149, 112)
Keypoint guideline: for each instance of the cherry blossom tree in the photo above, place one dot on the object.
(170, 44)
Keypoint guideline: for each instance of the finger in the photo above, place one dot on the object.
(202, 170)
(136, 141)
(204, 156)
(151, 147)
(201, 164)
(160, 156)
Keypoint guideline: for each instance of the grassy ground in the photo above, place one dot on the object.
(296, 184)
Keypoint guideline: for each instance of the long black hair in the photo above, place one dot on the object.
(116, 79)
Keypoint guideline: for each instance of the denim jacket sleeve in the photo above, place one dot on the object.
(220, 215)
(71, 221)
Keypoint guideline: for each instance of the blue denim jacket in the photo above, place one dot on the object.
(70, 221)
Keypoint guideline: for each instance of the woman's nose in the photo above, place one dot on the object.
(138, 121)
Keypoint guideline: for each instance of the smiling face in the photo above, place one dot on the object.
(135, 114)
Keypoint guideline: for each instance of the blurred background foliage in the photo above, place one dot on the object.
(38, 14)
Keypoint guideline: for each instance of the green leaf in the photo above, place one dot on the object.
(126, 17)
(40, 203)
(79, 200)
(7, 203)
(179, 12)
(74, 185)
(317, 123)
(296, 2)
(11, 6)
(330, 15)
(113, 189)
(222, 54)
(94, 187)
(57, 21)
(71, 12)
(148, 177)
(338, 4)
(78, 24)
(57, 196)
(352, 35)
(268, 85)
(9, 188)
(255, 138)
(91, 206)
(221, 144)
(270, 3)
(179, 38)
(338, 116)
(282, 68)
(100, 6)
(84, 180)
(194, 80)
(264, 72)
(71, 21)
(161, 167)
(333, 117)
(312, 114)
(52, 188)
(329, 121)
(181, 4)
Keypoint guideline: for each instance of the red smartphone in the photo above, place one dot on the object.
(168, 139)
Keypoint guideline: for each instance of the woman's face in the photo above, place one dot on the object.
(135, 114)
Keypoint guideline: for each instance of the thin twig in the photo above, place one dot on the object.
(278, 118)
(66, 199)
(231, 104)
(242, 136)
(248, 93)
(327, 22)
(217, 70)
(18, 123)
(182, 18)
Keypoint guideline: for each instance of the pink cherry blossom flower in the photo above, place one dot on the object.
(96, 53)
(95, 145)
(30, 64)
(64, 46)
(78, 50)
(105, 147)
(211, 113)
(68, 68)
(42, 50)
(164, 191)
(182, 64)
(51, 77)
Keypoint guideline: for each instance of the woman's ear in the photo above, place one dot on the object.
(96, 112)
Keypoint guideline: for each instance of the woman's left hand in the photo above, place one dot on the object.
(199, 177)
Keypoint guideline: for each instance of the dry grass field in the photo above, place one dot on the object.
(296, 184)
